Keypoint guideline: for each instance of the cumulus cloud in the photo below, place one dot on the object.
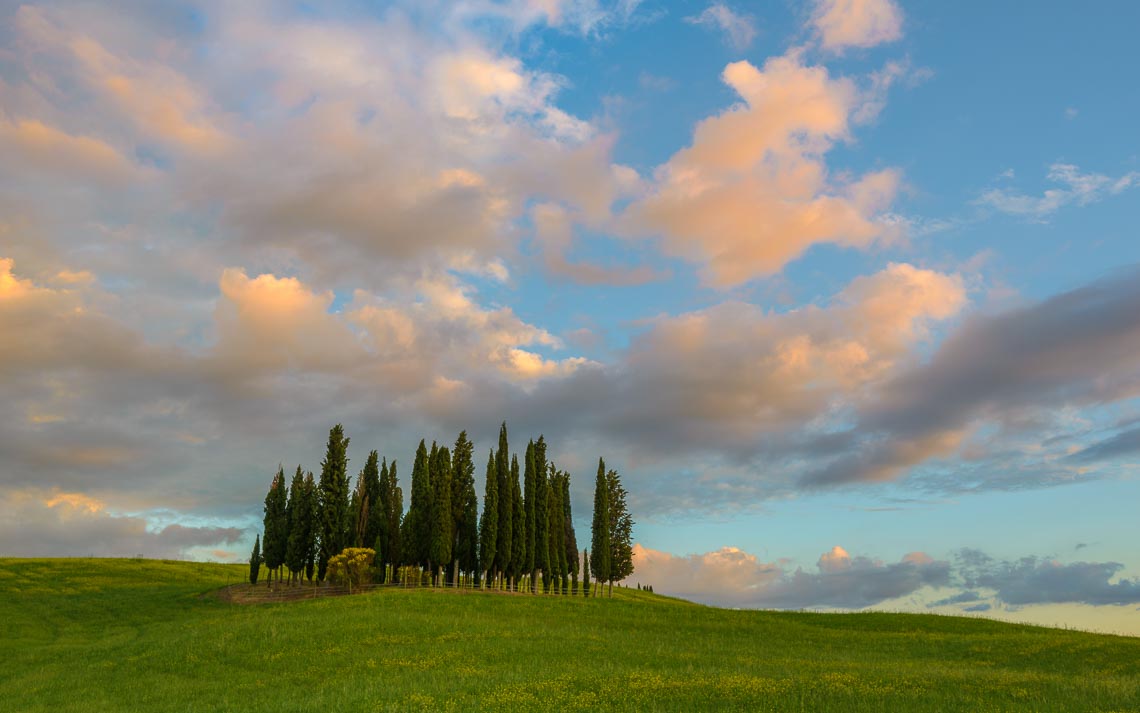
(1076, 188)
(856, 23)
(731, 577)
(738, 29)
(752, 192)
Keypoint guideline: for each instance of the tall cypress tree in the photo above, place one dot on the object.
(518, 519)
(393, 497)
(503, 549)
(276, 524)
(585, 573)
(621, 531)
(569, 540)
(463, 503)
(541, 513)
(600, 529)
(255, 561)
(529, 499)
(359, 509)
(375, 523)
(312, 531)
(557, 530)
(300, 517)
(333, 497)
(489, 525)
(442, 529)
(417, 524)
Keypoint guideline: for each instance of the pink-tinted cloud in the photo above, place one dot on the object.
(856, 23)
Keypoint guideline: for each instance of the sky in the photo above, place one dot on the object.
(848, 291)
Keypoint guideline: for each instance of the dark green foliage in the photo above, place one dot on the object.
(585, 573)
(300, 515)
(465, 504)
(392, 499)
(489, 525)
(255, 560)
(570, 540)
(375, 523)
(333, 497)
(417, 523)
(600, 528)
(621, 530)
(557, 528)
(541, 511)
(442, 527)
(518, 538)
(309, 543)
(529, 497)
(276, 523)
(503, 549)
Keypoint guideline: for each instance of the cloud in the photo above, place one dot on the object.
(1125, 443)
(54, 524)
(739, 30)
(1034, 580)
(751, 193)
(1069, 351)
(1078, 188)
(856, 23)
(731, 577)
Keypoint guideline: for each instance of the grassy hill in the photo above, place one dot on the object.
(111, 635)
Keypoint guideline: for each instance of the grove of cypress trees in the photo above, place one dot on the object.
(276, 525)
(255, 561)
(442, 529)
(489, 525)
(600, 529)
(529, 496)
(333, 497)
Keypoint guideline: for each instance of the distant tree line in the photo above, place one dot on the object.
(522, 540)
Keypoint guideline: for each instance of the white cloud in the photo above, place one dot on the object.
(1077, 188)
(739, 30)
(856, 23)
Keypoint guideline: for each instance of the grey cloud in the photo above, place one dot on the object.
(960, 598)
(1035, 580)
(979, 608)
(1124, 443)
(1075, 349)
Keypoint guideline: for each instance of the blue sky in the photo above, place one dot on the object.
(847, 290)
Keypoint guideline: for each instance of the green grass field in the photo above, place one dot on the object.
(136, 635)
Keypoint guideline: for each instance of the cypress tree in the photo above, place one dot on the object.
(333, 496)
(518, 518)
(503, 549)
(442, 530)
(600, 530)
(541, 514)
(255, 561)
(463, 504)
(300, 524)
(311, 516)
(557, 530)
(585, 573)
(621, 531)
(374, 522)
(417, 524)
(393, 497)
(529, 499)
(489, 525)
(570, 541)
(276, 524)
